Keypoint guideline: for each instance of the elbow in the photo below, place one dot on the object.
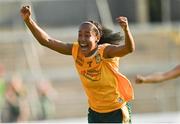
(44, 42)
(131, 49)
(41, 42)
(130, 46)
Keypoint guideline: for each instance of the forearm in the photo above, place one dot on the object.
(41, 36)
(129, 41)
(155, 78)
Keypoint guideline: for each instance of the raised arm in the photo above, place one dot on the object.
(159, 77)
(128, 47)
(42, 37)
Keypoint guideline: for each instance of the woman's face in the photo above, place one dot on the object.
(87, 39)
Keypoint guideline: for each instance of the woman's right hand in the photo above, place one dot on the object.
(25, 12)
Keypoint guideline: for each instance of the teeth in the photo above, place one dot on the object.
(83, 45)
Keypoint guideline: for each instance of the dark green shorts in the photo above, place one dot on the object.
(116, 116)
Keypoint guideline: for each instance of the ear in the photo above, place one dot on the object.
(98, 38)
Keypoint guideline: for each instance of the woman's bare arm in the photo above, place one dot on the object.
(42, 37)
(128, 47)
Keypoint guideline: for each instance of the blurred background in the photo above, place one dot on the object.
(38, 84)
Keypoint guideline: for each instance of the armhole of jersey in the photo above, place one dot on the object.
(75, 50)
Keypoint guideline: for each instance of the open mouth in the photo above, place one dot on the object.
(83, 46)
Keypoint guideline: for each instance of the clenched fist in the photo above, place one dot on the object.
(25, 12)
(123, 22)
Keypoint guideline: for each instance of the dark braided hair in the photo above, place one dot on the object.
(107, 35)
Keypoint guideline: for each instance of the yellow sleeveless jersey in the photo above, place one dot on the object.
(106, 88)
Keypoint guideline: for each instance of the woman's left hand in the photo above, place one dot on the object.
(123, 22)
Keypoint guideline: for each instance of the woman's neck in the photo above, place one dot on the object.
(92, 53)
